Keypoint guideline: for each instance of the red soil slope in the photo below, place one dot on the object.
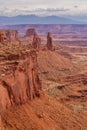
(43, 114)
(51, 64)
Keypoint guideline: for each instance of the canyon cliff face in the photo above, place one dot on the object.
(30, 32)
(10, 36)
(49, 41)
(36, 44)
(21, 85)
(1, 124)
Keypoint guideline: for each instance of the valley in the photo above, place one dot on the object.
(43, 87)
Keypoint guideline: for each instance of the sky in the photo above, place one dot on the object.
(43, 7)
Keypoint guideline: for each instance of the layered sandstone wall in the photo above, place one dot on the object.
(21, 85)
(49, 41)
(10, 36)
(36, 44)
(30, 32)
(1, 124)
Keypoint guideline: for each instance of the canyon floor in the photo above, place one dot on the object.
(63, 102)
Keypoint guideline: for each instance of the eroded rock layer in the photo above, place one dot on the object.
(10, 36)
(21, 85)
(36, 44)
(30, 32)
(49, 41)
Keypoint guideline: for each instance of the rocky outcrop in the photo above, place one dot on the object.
(10, 36)
(49, 41)
(36, 44)
(30, 32)
(1, 124)
(21, 85)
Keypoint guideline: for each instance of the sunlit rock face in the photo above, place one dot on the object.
(36, 44)
(21, 85)
(30, 32)
(10, 36)
(49, 41)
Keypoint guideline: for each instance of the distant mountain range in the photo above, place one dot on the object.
(33, 19)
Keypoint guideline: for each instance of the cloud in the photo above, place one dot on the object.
(75, 6)
(43, 7)
(39, 11)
